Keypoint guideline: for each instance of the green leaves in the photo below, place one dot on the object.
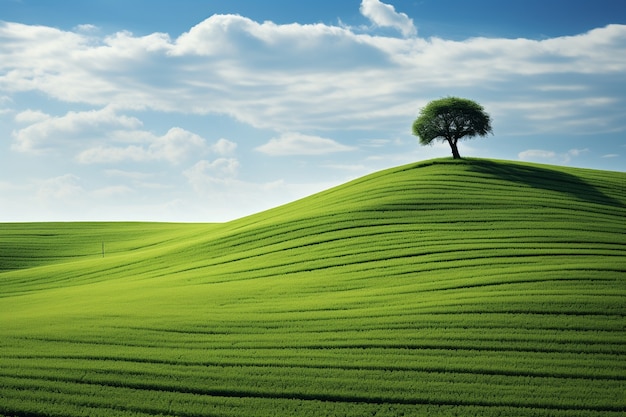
(451, 119)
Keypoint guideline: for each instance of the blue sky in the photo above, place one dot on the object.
(212, 110)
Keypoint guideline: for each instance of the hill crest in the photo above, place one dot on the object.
(437, 288)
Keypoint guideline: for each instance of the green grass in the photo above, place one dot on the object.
(442, 288)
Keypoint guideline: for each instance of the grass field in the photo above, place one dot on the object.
(441, 288)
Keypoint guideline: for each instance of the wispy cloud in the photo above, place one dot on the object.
(299, 144)
(550, 156)
(536, 154)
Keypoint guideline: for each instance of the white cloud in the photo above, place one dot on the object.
(610, 155)
(550, 156)
(299, 144)
(536, 154)
(40, 58)
(97, 135)
(31, 116)
(302, 77)
(223, 147)
(176, 145)
(385, 15)
(218, 29)
(221, 167)
(205, 173)
(86, 28)
(563, 87)
(45, 131)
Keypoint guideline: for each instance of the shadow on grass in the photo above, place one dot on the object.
(544, 178)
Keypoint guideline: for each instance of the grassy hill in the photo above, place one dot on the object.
(441, 288)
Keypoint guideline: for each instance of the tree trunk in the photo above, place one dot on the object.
(455, 150)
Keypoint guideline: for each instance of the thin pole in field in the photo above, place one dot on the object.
(103, 249)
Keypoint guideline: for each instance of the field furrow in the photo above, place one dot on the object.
(472, 287)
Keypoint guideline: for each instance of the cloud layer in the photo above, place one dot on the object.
(263, 73)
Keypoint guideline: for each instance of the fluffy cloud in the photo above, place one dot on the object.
(45, 131)
(174, 147)
(385, 15)
(205, 175)
(303, 77)
(31, 117)
(223, 147)
(97, 135)
(299, 144)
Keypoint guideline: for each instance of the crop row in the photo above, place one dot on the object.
(330, 384)
(469, 288)
(126, 402)
(464, 361)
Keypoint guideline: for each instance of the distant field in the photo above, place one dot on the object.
(441, 288)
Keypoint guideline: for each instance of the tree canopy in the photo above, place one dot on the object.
(450, 119)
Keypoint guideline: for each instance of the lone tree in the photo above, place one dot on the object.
(450, 119)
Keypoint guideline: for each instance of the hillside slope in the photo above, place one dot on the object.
(470, 287)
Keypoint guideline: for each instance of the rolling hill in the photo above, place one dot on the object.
(440, 288)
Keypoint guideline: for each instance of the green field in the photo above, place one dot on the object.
(441, 288)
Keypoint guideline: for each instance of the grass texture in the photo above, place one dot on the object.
(441, 288)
